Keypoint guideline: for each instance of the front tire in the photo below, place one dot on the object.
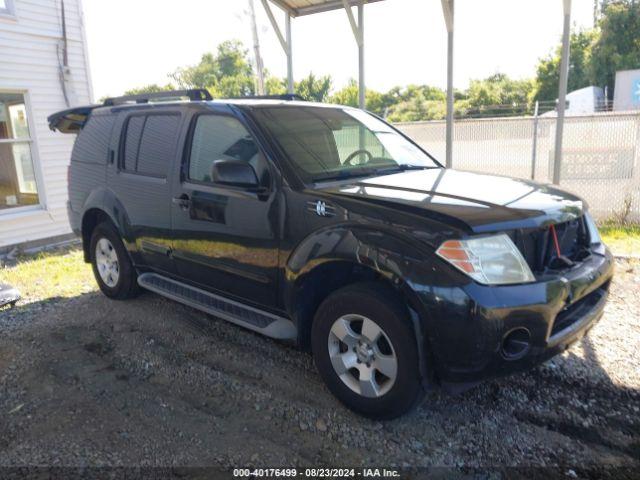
(365, 349)
(111, 264)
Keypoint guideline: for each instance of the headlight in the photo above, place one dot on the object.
(489, 260)
(594, 235)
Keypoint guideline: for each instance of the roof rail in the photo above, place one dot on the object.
(193, 95)
(283, 96)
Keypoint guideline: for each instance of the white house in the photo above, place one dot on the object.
(44, 68)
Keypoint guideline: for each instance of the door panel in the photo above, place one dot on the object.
(225, 238)
(141, 180)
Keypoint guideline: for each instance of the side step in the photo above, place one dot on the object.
(234, 312)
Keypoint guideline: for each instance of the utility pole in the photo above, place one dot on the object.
(256, 50)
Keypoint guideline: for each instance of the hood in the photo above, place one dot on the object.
(484, 203)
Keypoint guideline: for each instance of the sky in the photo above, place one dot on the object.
(137, 42)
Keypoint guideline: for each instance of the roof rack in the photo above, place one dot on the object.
(194, 95)
(283, 96)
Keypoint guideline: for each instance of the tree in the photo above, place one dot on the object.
(151, 88)
(415, 103)
(496, 95)
(347, 95)
(548, 70)
(227, 73)
(274, 85)
(376, 102)
(596, 55)
(310, 88)
(314, 89)
(618, 45)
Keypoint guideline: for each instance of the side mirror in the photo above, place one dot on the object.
(236, 173)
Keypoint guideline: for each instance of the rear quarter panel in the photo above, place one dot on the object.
(87, 171)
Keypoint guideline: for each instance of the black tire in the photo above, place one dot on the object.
(381, 305)
(127, 283)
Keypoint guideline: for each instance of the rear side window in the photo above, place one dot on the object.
(150, 144)
(132, 142)
(92, 143)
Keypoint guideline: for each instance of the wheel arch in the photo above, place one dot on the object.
(102, 205)
(334, 258)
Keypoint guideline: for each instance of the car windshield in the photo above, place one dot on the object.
(325, 143)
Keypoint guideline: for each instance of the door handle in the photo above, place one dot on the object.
(182, 201)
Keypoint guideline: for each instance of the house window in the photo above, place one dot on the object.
(17, 178)
(6, 8)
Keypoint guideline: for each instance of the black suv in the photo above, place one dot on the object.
(325, 226)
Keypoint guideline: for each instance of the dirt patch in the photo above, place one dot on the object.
(89, 381)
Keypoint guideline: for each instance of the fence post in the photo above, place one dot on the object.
(534, 147)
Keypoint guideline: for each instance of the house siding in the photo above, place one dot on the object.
(29, 64)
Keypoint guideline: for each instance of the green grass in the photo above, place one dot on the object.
(63, 273)
(621, 239)
(59, 273)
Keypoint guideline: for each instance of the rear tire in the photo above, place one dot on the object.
(365, 349)
(112, 267)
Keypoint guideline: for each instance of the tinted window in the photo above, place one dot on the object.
(92, 143)
(158, 144)
(150, 144)
(217, 137)
(132, 142)
(319, 140)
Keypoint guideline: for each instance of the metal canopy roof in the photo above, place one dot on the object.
(298, 8)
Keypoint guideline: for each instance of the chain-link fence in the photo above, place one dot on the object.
(600, 162)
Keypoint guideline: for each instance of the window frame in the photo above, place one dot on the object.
(35, 158)
(123, 141)
(188, 146)
(9, 11)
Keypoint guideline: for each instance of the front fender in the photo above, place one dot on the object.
(386, 254)
(396, 257)
(411, 268)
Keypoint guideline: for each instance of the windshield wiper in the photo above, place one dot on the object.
(403, 167)
(346, 174)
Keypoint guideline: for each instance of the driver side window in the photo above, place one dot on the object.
(221, 137)
(348, 140)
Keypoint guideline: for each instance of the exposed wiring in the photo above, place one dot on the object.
(554, 234)
(63, 64)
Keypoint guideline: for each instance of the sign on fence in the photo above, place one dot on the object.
(592, 164)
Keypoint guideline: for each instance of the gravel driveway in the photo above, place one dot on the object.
(89, 381)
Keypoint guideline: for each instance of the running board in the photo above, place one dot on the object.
(234, 312)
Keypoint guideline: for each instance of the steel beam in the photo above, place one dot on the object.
(285, 40)
(448, 12)
(562, 91)
(320, 7)
(362, 103)
(358, 33)
(290, 86)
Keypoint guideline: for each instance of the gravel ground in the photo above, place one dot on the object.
(86, 381)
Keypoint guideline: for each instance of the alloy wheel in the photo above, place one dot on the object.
(362, 355)
(107, 262)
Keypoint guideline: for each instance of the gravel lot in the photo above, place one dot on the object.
(86, 381)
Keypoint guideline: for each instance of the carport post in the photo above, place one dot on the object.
(358, 33)
(447, 10)
(562, 91)
(289, 54)
(361, 84)
(285, 41)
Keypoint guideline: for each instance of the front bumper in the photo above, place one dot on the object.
(471, 325)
